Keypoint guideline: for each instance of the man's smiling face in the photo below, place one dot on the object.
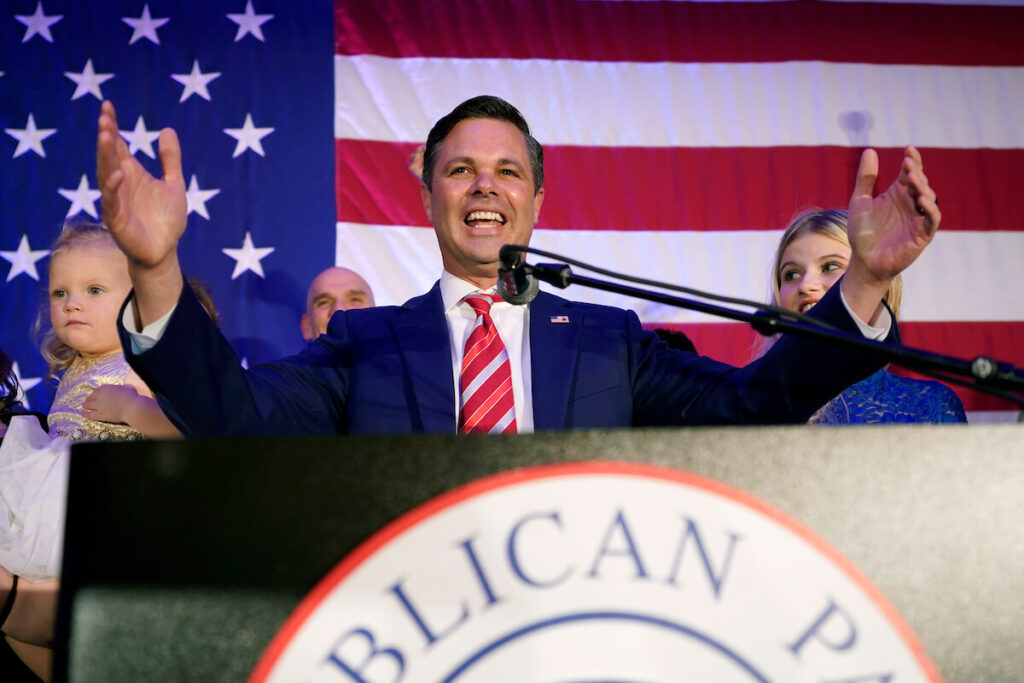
(482, 197)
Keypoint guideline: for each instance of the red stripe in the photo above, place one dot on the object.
(1004, 341)
(872, 33)
(687, 188)
(481, 350)
(731, 343)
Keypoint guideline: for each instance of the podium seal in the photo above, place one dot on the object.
(597, 571)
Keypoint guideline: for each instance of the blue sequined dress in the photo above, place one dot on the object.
(885, 397)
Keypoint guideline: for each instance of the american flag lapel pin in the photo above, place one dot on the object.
(559, 318)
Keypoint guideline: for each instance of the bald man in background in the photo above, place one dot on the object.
(334, 289)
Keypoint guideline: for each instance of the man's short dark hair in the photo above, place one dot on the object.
(675, 339)
(483, 107)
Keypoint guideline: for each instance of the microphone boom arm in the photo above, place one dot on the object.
(984, 373)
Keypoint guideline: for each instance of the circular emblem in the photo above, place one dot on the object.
(595, 572)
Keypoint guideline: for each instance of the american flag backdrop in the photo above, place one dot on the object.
(248, 86)
(679, 139)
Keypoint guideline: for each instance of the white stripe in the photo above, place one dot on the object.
(691, 105)
(485, 374)
(967, 276)
(962, 276)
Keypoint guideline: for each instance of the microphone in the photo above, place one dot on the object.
(516, 283)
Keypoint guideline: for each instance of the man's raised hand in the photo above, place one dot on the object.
(888, 232)
(145, 215)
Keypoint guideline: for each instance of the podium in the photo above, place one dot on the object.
(183, 558)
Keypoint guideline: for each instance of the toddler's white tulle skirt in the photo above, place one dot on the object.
(33, 497)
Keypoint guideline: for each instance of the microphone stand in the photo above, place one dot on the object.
(985, 373)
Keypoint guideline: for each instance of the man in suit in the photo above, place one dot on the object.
(553, 364)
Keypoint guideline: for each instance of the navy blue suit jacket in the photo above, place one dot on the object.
(389, 370)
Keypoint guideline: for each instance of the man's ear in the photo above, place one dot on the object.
(425, 198)
(307, 328)
(538, 199)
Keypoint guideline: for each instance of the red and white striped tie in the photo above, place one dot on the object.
(487, 406)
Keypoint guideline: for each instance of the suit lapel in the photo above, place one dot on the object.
(554, 338)
(422, 336)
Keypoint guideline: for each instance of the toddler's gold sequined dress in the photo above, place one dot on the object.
(77, 383)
